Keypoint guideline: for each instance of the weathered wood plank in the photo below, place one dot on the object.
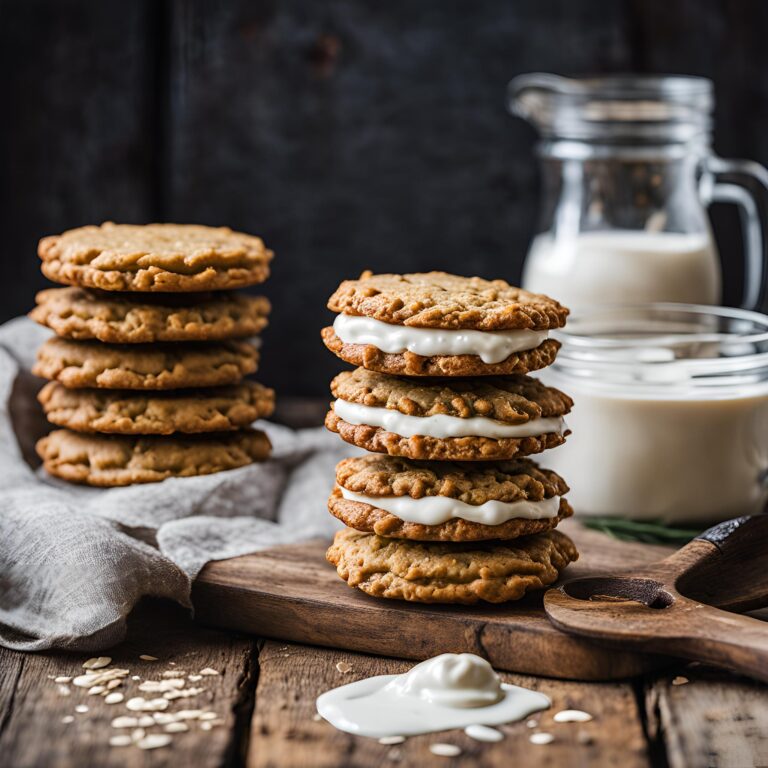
(715, 720)
(31, 708)
(284, 732)
(292, 593)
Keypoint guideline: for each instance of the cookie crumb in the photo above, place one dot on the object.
(343, 667)
(680, 680)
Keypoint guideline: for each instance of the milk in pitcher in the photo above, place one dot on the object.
(624, 267)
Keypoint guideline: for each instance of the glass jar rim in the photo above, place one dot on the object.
(665, 345)
(689, 89)
(622, 107)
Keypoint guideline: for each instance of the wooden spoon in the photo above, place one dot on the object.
(680, 606)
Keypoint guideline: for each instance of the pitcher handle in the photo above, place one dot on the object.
(744, 183)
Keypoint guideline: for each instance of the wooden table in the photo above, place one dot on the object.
(265, 695)
(266, 690)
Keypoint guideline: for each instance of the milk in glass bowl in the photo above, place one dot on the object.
(670, 417)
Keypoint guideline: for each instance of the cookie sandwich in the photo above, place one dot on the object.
(447, 501)
(147, 370)
(459, 419)
(446, 507)
(436, 324)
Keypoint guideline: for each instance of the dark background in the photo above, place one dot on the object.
(350, 134)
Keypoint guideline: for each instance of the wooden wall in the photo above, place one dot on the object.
(348, 133)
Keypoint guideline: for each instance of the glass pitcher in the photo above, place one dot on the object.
(628, 171)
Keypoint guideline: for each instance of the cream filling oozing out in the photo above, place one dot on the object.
(441, 425)
(434, 510)
(490, 346)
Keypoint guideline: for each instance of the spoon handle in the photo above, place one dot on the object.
(723, 639)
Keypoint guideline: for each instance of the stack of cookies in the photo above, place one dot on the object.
(146, 371)
(446, 508)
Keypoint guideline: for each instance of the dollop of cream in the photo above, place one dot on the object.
(490, 346)
(434, 510)
(448, 691)
(451, 680)
(442, 426)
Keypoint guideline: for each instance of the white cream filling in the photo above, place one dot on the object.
(441, 425)
(434, 510)
(489, 346)
(448, 691)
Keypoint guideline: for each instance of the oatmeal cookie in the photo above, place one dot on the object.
(473, 483)
(434, 572)
(440, 300)
(159, 366)
(409, 364)
(81, 313)
(163, 413)
(154, 257)
(111, 460)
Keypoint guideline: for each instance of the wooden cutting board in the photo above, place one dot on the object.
(291, 593)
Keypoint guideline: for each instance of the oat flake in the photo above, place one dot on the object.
(389, 740)
(125, 721)
(572, 716)
(176, 727)
(155, 740)
(445, 750)
(97, 662)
